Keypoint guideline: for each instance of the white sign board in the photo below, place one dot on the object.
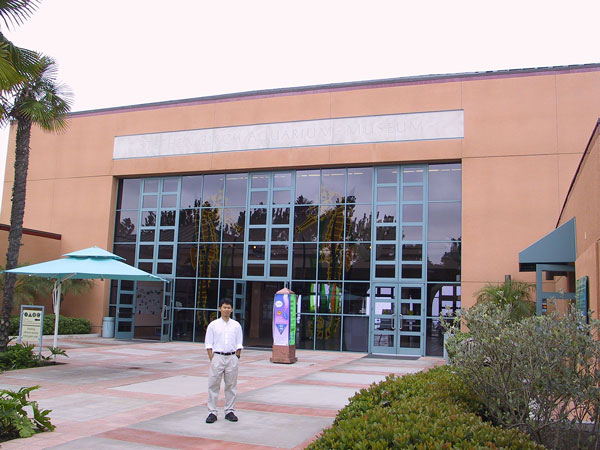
(32, 324)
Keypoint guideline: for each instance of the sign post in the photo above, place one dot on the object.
(581, 298)
(31, 325)
(284, 327)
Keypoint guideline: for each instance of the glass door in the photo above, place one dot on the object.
(397, 319)
(167, 312)
(239, 301)
(125, 310)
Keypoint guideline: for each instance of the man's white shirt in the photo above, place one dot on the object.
(224, 337)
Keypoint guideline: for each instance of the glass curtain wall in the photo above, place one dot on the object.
(330, 230)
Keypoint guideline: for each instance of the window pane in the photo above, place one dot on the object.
(126, 251)
(331, 261)
(234, 221)
(185, 293)
(165, 252)
(412, 213)
(387, 175)
(280, 234)
(445, 182)
(328, 333)
(304, 262)
(149, 201)
(210, 225)
(126, 224)
(203, 318)
(166, 235)
(444, 221)
(435, 338)
(333, 186)
(358, 224)
(386, 233)
(357, 298)
(183, 325)
(386, 214)
(307, 296)
(146, 251)
(191, 191)
(258, 216)
(385, 271)
(412, 193)
(129, 196)
(386, 194)
(307, 187)
(360, 185)
(256, 270)
(168, 201)
(306, 224)
(358, 262)
(385, 252)
(412, 252)
(187, 255)
(167, 218)
(282, 197)
(150, 185)
(208, 291)
(236, 186)
(208, 260)
(257, 234)
(232, 260)
(148, 218)
(213, 190)
(443, 300)
(256, 252)
(147, 235)
(305, 332)
(331, 227)
(329, 298)
(412, 175)
(189, 223)
(282, 179)
(281, 216)
(443, 261)
(278, 270)
(412, 271)
(412, 233)
(259, 198)
(356, 334)
(164, 268)
(279, 252)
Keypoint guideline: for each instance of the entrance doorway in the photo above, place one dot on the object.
(258, 325)
(397, 318)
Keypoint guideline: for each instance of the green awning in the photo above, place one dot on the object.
(557, 247)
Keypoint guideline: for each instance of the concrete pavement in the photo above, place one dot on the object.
(112, 394)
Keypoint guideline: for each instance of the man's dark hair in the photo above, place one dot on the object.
(226, 301)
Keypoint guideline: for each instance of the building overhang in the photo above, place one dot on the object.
(557, 247)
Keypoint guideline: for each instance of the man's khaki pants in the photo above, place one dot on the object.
(222, 366)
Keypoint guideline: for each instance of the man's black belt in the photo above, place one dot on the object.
(224, 354)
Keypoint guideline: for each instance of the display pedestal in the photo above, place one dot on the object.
(284, 354)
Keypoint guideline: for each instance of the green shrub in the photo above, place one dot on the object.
(14, 421)
(540, 375)
(66, 325)
(18, 356)
(432, 410)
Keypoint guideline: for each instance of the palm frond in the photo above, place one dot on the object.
(16, 12)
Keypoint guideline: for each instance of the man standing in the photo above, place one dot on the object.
(224, 346)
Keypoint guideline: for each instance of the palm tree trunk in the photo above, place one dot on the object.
(16, 224)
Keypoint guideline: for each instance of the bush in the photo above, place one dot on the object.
(14, 421)
(18, 356)
(432, 410)
(66, 325)
(540, 375)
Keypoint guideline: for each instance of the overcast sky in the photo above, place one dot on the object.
(123, 52)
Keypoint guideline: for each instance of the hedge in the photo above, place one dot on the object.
(66, 325)
(431, 410)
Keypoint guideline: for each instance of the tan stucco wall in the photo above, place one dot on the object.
(582, 203)
(524, 135)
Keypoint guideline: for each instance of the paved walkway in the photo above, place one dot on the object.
(112, 394)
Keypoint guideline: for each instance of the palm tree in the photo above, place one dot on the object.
(43, 102)
(511, 293)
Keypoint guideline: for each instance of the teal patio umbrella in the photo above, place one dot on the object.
(90, 263)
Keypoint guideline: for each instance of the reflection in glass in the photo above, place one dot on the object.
(358, 222)
(146, 252)
(413, 271)
(148, 218)
(307, 186)
(163, 268)
(329, 298)
(358, 262)
(210, 225)
(282, 197)
(129, 195)
(183, 325)
(333, 186)
(279, 252)
(412, 193)
(278, 270)
(386, 194)
(213, 190)
(410, 293)
(167, 218)
(203, 318)
(445, 182)
(387, 175)
(166, 235)
(146, 267)
(412, 213)
(260, 180)
(306, 223)
(435, 338)
(207, 294)
(149, 201)
(232, 260)
(445, 221)
(150, 185)
(259, 197)
(126, 251)
(386, 233)
(360, 185)
(258, 216)
(235, 189)
(147, 235)
(443, 261)
(189, 223)
(410, 341)
(191, 192)
(126, 224)
(331, 226)
(168, 201)
(386, 214)
(307, 296)
(165, 252)
(305, 337)
(208, 260)
(281, 216)
(256, 270)
(385, 252)
(328, 335)
(443, 300)
(304, 262)
(234, 220)
(170, 185)
(383, 340)
(412, 233)
(187, 255)
(385, 271)
(256, 252)
(257, 234)
(357, 299)
(356, 334)
(331, 260)
(280, 234)
(412, 252)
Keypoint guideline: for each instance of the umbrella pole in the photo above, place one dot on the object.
(56, 303)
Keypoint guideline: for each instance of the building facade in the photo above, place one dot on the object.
(382, 204)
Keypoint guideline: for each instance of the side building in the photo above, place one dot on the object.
(382, 204)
